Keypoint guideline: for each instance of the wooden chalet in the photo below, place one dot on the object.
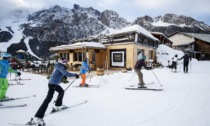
(163, 39)
(198, 45)
(111, 51)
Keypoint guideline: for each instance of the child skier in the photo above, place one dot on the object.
(83, 70)
(59, 71)
(4, 69)
(174, 63)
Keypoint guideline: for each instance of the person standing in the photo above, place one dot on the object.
(83, 70)
(186, 59)
(174, 63)
(60, 70)
(5, 68)
(137, 69)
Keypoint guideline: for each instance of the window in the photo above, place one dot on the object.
(93, 57)
(150, 54)
(79, 56)
(64, 55)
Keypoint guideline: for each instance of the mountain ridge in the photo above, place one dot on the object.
(58, 25)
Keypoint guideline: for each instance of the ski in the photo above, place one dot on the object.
(11, 106)
(89, 86)
(145, 84)
(135, 88)
(30, 123)
(10, 99)
(55, 111)
(19, 79)
(16, 84)
(52, 112)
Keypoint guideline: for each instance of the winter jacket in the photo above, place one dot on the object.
(5, 68)
(58, 73)
(84, 68)
(140, 63)
(186, 58)
(174, 59)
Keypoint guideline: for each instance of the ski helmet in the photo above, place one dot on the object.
(86, 59)
(63, 61)
(6, 55)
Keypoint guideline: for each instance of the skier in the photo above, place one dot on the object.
(186, 59)
(174, 63)
(4, 69)
(60, 70)
(137, 69)
(83, 70)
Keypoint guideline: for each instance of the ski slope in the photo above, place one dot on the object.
(183, 102)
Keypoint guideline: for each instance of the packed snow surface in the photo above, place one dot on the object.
(183, 102)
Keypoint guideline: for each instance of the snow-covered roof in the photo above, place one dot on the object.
(204, 37)
(79, 45)
(134, 28)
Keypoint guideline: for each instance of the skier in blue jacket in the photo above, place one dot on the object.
(5, 68)
(60, 70)
(83, 70)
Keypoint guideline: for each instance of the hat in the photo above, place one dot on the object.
(63, 61)
(86, 59)
(6, 55)
(139, 52)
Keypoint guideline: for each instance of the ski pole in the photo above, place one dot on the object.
(157, 78)
(90, 77)
(190, 67)
(65, 89)
(132, 76)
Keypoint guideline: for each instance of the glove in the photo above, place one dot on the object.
(89, 71)
(65, 77)
(18, 73)
(77, 76)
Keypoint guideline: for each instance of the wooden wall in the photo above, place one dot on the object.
(131, 52)
(202, 46)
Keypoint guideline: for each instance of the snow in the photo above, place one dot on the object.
(17, 35)
(165, 54)
(136, 28)
(183, 102)
(165, 24)
(79, 45)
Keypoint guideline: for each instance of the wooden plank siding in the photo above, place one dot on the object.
(202, 46)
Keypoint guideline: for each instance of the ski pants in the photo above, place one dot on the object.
(83, 76)
(3, 87)
(52, 88)
(174, 65)
(140, 76)
(186, 67)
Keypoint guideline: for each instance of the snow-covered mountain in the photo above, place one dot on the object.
(57, 25)
(37, 32)
(170, 23)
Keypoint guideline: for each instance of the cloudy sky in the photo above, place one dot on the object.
(129, 9)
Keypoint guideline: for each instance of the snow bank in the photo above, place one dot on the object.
(165, 54)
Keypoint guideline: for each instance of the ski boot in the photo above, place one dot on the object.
(142, 86)
(36, 121)
(83, 85)
(57, 108)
